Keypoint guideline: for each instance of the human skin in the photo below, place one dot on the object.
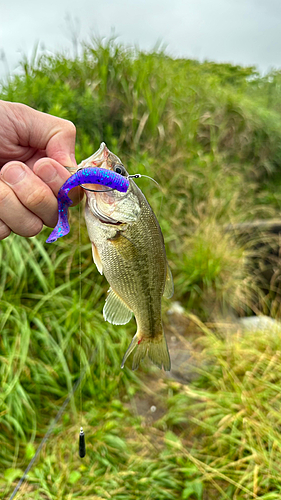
(35, 148)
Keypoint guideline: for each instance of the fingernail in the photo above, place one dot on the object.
(69, 161)
(46, 172)
(13, 174)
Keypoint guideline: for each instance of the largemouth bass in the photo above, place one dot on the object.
(128, 248)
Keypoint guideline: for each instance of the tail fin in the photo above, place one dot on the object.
(156, 349)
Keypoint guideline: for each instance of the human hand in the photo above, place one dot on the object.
(34, 149)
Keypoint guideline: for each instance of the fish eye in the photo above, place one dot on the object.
(119, 169)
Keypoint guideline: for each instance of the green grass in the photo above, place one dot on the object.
(210, 134)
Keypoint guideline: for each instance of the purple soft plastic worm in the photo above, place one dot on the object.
(88, 175)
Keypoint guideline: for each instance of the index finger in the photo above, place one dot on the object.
(42, 131)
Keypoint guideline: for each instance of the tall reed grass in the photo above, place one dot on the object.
(210, 134)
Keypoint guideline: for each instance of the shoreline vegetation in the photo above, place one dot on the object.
(210, 135)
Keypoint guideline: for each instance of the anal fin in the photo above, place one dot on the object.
(115, 310)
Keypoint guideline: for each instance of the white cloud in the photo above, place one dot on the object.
(239, 31)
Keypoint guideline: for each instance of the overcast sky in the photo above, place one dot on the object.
(246, 32)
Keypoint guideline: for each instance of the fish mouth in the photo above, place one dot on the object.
(114, 223)
(105, 219)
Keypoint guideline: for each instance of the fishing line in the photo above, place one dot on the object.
(138, 176)
(133, 176)
(52, 426)
(82, 446)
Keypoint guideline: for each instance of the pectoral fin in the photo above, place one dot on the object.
(115, 310)
(96, 257)
(169, 284)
